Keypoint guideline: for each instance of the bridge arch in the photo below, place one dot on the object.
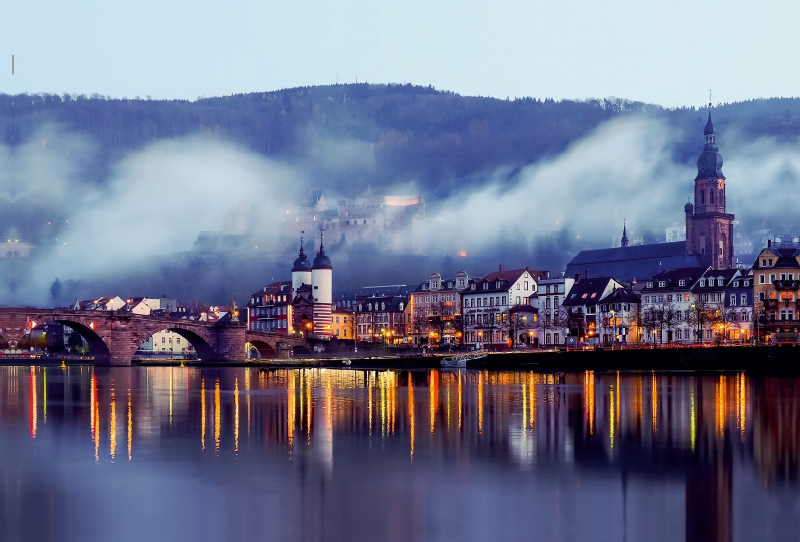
(201, 346)
(97, 346)
(257, 349)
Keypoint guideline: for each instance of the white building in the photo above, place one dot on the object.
(486, 302)
(552, 323)
(666, 310)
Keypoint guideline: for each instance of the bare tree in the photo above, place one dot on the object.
(633, 321)
(704, 315)
(668, 318)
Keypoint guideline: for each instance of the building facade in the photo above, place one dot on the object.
(381, 315)
(551, 323)
(582, 316)
(667, 307)
(436, 310)
(270, 309)
(776, 279)
(485, 305)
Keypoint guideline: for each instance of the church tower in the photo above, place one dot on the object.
(709, 229)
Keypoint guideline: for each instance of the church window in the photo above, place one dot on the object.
(711, 196)
(702, 196)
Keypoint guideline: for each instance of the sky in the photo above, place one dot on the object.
(665, 52)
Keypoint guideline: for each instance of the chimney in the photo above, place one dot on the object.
(769, 243)
(577, 277)
(501, 268)
(548, 274)
(587, 273)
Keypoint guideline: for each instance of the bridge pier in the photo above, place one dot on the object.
(230, 343)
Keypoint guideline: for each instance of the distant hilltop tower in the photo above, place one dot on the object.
(709, 229)
(301, 270)
(322, 292)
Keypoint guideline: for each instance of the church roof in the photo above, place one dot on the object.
(632, 262)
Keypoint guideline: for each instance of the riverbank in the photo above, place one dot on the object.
(783, 359)
(771, 359)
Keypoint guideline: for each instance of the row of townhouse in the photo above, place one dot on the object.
(529, 307)
(697, 304)
(526, 306)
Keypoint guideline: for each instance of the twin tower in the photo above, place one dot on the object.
(313, 284)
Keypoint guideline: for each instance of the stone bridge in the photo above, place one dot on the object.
(114, 336)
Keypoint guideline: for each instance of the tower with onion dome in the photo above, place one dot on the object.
(301, 270)
(322, 292)
(709, 229)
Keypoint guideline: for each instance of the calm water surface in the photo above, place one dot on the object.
(240, 454)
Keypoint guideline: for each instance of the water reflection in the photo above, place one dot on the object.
(364, 455)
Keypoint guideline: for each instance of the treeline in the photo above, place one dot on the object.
(436, 137)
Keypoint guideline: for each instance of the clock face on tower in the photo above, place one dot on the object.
(721, 184)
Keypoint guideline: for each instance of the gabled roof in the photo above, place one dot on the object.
(392, 289)
(784, 257)
(727, 276)
(506, 280)
(447, 285)
(391, 303)
(627, 263)
(621, 295)
(587, 291)
(672, 278)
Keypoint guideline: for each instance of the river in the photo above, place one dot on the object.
(168, 453)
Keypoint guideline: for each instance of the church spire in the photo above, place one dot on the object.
(709, 164)
(624, 234)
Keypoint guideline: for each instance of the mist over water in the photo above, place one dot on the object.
(134, 233)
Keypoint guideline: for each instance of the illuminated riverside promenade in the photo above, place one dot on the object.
(363, 455)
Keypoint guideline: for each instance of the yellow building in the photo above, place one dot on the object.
(776, 281)
(343, 324)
